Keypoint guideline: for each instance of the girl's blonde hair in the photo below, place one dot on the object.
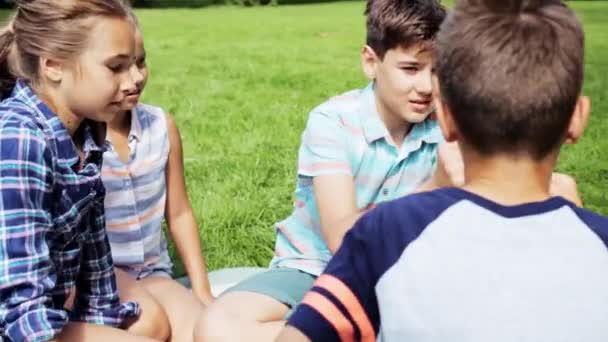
(57, 29)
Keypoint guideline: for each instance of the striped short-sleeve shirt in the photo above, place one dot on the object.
(345, 135)
(136, 196)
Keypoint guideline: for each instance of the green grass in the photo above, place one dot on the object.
(240, 82)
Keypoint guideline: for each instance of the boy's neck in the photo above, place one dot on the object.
(509, 180)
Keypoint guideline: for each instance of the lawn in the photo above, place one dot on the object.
(240, 83)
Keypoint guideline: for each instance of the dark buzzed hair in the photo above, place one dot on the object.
(511, 71)
(402, 23)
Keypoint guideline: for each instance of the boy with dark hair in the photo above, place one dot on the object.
(359, 149)
(499, 259)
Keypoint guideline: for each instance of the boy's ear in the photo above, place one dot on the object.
(444, 115)
(579, 119)
(51, 69)
(369, 60)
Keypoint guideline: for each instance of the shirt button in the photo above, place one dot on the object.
(385, 191)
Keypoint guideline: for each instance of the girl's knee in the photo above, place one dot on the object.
(215, 324)
(199, 329)
(159, 327)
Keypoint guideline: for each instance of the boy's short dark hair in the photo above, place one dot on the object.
(394, 23)
(511, 71)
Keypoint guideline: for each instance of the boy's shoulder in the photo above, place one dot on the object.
(389, 229)
(345, 105)
(407, 217)
(594, 221)
(348, 115)
(425, 205)
(385, 232)
(413, 213)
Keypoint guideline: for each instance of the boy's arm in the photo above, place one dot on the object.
(342, 303)
(325, 157)
(565, 186)
(336, 202)
(180, 218)
(449, 171)
(291, 334)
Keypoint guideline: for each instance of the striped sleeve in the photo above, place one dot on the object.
(325, 146)
(342, 304)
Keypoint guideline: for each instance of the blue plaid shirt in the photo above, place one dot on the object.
(52, 229)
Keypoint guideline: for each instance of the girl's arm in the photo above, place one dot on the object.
(97, 300)
(27, 272)
(180, 218)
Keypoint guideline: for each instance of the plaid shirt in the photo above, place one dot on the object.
(52, 229)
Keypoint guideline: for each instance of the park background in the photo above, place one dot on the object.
(240, 77)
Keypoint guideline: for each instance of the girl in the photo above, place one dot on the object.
(65, 67)
(144, 179)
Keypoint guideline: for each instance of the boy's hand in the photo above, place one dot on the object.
(565, 186)
(450, 168)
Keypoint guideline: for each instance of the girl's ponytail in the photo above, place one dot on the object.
(7, 41)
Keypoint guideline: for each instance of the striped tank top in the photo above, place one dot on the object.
(136, 194)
